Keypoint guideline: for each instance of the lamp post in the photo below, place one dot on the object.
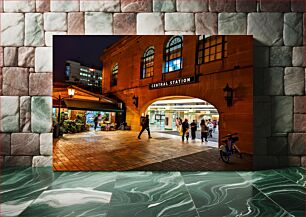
(71, 91)
(228, 95)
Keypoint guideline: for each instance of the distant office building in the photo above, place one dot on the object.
(83, 75)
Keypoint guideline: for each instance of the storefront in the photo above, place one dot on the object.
(140, 70)
(76, 112)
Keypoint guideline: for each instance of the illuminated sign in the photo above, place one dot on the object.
(173, 82)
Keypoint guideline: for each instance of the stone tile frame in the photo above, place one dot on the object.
(279, 64)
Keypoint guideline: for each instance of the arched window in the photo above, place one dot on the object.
(114, 75)
(173, 54)
(148, 63)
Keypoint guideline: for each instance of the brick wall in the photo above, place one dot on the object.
(26, 63)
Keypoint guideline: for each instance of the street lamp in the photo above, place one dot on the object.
(71, 91)
(228, 95)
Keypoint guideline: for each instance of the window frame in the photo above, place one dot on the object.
(144, 67)
(114, 75)
(167, 54)
(201, 48)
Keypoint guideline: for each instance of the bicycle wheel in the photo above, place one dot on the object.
(224, 156)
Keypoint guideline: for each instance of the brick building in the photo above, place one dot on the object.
(140, 70)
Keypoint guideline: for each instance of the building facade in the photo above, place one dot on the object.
(140, 70)
(83, 75)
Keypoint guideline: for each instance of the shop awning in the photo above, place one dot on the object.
(74, 104)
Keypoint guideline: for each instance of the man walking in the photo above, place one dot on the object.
(193, 127)
(145, 126)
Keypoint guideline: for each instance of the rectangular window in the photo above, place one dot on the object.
(211, 48)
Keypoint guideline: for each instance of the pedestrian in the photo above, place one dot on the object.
(185, 128)
(210, 128)
(145, 125)
(96, 122)
(177, 124)
(193, 127)
(204, 130)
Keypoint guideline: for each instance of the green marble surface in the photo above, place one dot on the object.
(41, 192)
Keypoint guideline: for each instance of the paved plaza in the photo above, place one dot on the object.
(121, 150)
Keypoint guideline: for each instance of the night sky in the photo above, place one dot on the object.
(83, 49)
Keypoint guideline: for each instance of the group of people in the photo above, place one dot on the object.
(207, 128)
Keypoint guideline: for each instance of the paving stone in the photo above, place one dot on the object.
(43, 59)
(1, 81)
(206, 23)
(42, 5)
(17, 161)
(232, 24)
(221, 5)
(64, 6)
(9, 114)
(46, 144)
(280, 56)
(12, 24)
(265, 162)
(42, 161)
(299, 123)
(26, 56)
(101, 5)
(34, 31)
(296, 143)
(49, 37)
(246, 5)
(274, 81)
(1, 56)
(40, 84)
(164, 5)
(15, 81)
(25, 144)
(19, 6)
(192, 5)
(156, 23)
(293, 29)
(179, 22)
(41, 113)
(297, 5)
(55, 21)
(76, 23)
(278, 145)
(179, 33)
(300, 104)
(260, 146)
(272, 6)
(5, 143)
(97, 23)
(262, 119)
(298, 56)
(10, 56)
(258, 81)
(289, 161)
(259, 24)
(136, 5)
(25, 114)
(124, 24)
(261, 57)
(303, 161)
(294, 81)
(282, 114)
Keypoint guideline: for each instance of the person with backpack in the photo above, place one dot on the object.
(204, 130)
(145, 125)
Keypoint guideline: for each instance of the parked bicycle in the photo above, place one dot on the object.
(229, 147)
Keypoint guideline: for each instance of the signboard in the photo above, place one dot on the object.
(173, 82)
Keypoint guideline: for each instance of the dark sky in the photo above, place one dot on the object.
(83, 49)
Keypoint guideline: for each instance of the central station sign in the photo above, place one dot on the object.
(173, 82)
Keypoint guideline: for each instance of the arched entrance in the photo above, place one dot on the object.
(166, 113)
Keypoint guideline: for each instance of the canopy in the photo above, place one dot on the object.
(74, 104)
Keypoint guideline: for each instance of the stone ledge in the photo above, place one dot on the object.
(18, 161)
(42, 161)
